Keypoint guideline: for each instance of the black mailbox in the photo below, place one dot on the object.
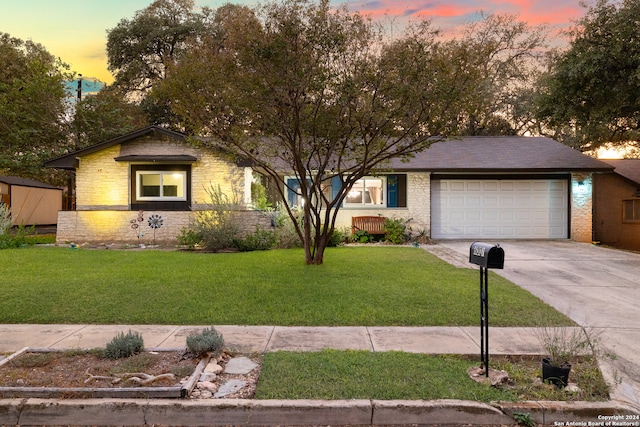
(486, 255)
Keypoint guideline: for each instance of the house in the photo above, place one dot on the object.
(31, 202)
(471, 188)
(122, 183)
(495, 188)
(616, 205)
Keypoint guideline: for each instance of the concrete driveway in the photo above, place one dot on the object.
(594, 286)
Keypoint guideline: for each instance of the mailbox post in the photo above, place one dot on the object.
(486, 256)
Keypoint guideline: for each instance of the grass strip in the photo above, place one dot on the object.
(356, 286)
(334, 374)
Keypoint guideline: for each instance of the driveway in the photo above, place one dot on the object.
(594, 286)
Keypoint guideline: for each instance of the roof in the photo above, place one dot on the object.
(501, 154)
(68, 161)
(627, 168)
(24, 182)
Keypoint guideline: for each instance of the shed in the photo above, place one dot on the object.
(31, 202)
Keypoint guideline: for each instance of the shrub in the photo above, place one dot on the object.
(396, 230)
(5, 219)
(207, 341)
(259, 240)
(189, 238)
(339, 237)
(362, 236)
(218, 225)
(122, 345)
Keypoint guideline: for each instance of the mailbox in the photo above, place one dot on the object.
(486, 255)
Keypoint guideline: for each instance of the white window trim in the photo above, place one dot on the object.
(383, 179)
(140, 197)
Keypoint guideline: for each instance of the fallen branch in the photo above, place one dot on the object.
(138, 377)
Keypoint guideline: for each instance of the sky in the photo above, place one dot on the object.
(76, 30)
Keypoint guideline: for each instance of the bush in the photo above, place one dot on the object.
(207, 341)
(189, 238)
(122, 345)
(339, 237)
(5, 219)
(18, 238)
(396, 230)
(362, 236)
(217, 226)
(260, 240)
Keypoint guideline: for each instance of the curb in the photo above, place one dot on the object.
(138, 412)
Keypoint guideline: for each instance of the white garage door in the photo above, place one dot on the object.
(506, 209)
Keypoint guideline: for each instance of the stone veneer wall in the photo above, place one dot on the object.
(108, 226)
(418, 208)
(582, 206)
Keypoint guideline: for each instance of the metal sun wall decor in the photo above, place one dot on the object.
(155, 222)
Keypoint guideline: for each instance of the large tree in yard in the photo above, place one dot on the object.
(319, 94)
(591, 95)
(32, 107)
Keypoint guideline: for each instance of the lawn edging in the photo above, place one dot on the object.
(102, 412)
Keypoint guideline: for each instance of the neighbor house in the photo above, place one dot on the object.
(473, 188)
(30, 202)
(616, 203)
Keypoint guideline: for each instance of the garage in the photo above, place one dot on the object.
(500, 208)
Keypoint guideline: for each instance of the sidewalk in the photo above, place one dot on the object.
(433, 340)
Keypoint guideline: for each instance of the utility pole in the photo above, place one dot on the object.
(79, 87)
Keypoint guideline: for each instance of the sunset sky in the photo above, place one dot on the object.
(76, 30)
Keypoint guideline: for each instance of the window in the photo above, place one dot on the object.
(368, 191)
(631, 210)
(161, 185)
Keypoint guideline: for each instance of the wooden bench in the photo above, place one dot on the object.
(371, 224)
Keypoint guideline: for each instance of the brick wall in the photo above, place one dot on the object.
(107, 226)
(582, 206)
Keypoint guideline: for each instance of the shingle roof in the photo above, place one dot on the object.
(25, 182)
(501, 154)
(628, 168)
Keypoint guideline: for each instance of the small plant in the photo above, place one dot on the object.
(338, 237)
(562, 344)
(122, 345)
(362, 236)
(207, 341)
(524, 419)
(5, 219)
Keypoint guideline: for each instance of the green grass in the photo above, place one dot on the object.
(332, 374)
(356, 286)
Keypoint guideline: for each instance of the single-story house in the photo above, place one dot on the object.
(616, 205)
(472, 188)
(31, 202)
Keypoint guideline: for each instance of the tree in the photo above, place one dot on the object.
(591, 94)
(32, 106)
(318, 94)
(140, 49)
(103, 116)
(505, 56)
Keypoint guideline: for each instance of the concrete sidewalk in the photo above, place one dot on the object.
(432, 340)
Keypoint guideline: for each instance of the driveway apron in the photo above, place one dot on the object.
(596, 287)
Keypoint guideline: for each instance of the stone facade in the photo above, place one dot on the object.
(109, 226)
(581, 207)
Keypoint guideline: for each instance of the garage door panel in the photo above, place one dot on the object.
(500, 208)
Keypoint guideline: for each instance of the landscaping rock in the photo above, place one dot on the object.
(230, 387)
(495, 378)
(239, 366)
(207, 385)
(208, 376)
(213, 368)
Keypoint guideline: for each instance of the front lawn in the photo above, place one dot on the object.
(358, 286)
